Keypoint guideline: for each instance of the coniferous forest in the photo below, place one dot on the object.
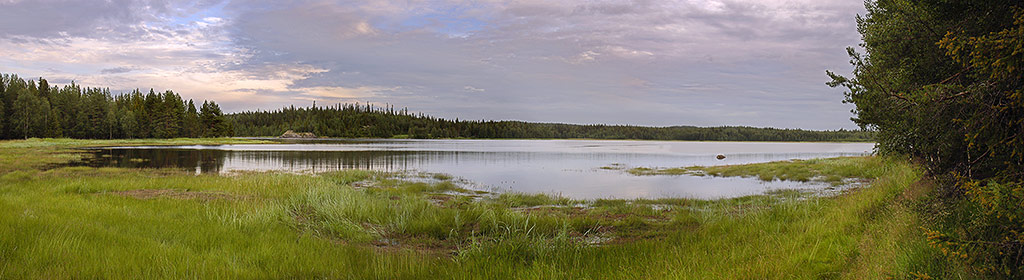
(33, 108)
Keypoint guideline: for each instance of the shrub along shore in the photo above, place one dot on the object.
(78, 222)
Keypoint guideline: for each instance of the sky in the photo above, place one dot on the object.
(653, 63)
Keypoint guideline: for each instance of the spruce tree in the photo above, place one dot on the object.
(212, 120)
(191, 125)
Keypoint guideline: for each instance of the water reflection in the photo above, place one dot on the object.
(566, 167)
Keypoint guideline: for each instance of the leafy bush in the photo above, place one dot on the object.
(942, 82)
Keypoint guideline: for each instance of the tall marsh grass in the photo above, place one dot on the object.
(107, 223)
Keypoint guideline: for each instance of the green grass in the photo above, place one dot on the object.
(82, 222)
(830, 170)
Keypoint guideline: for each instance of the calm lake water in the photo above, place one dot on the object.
(571, 168)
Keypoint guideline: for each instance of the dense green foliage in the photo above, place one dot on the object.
(30, 109)
(942, 81)
(345, 120)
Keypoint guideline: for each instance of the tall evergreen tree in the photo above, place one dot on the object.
(95, 107)
(212, 120)
(147, 115)
(68, 107)
(168, 115)
(44, 89)
(191, 126)
(53, 128)
(137, 108)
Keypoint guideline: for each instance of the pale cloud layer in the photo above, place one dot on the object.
(733, 62)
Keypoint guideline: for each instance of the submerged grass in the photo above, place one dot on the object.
(111, 223)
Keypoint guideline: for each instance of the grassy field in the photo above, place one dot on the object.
(76, 222)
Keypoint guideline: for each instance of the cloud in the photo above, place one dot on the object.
(343, 93)
(473, 89)
(117, 70)
(727, 62)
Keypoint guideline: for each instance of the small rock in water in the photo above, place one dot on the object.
(720, 157)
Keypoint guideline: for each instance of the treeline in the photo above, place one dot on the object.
(35, 109)
(943, 82)
(353, 120)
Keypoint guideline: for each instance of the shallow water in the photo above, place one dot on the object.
(571, 168)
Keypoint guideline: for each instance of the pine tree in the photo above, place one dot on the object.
(191, 126)
(145, 116)
(95, 107)
(53, 128)
(212, 120)
(168, 116)
(44, 89)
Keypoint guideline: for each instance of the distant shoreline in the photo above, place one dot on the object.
(275, 138)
